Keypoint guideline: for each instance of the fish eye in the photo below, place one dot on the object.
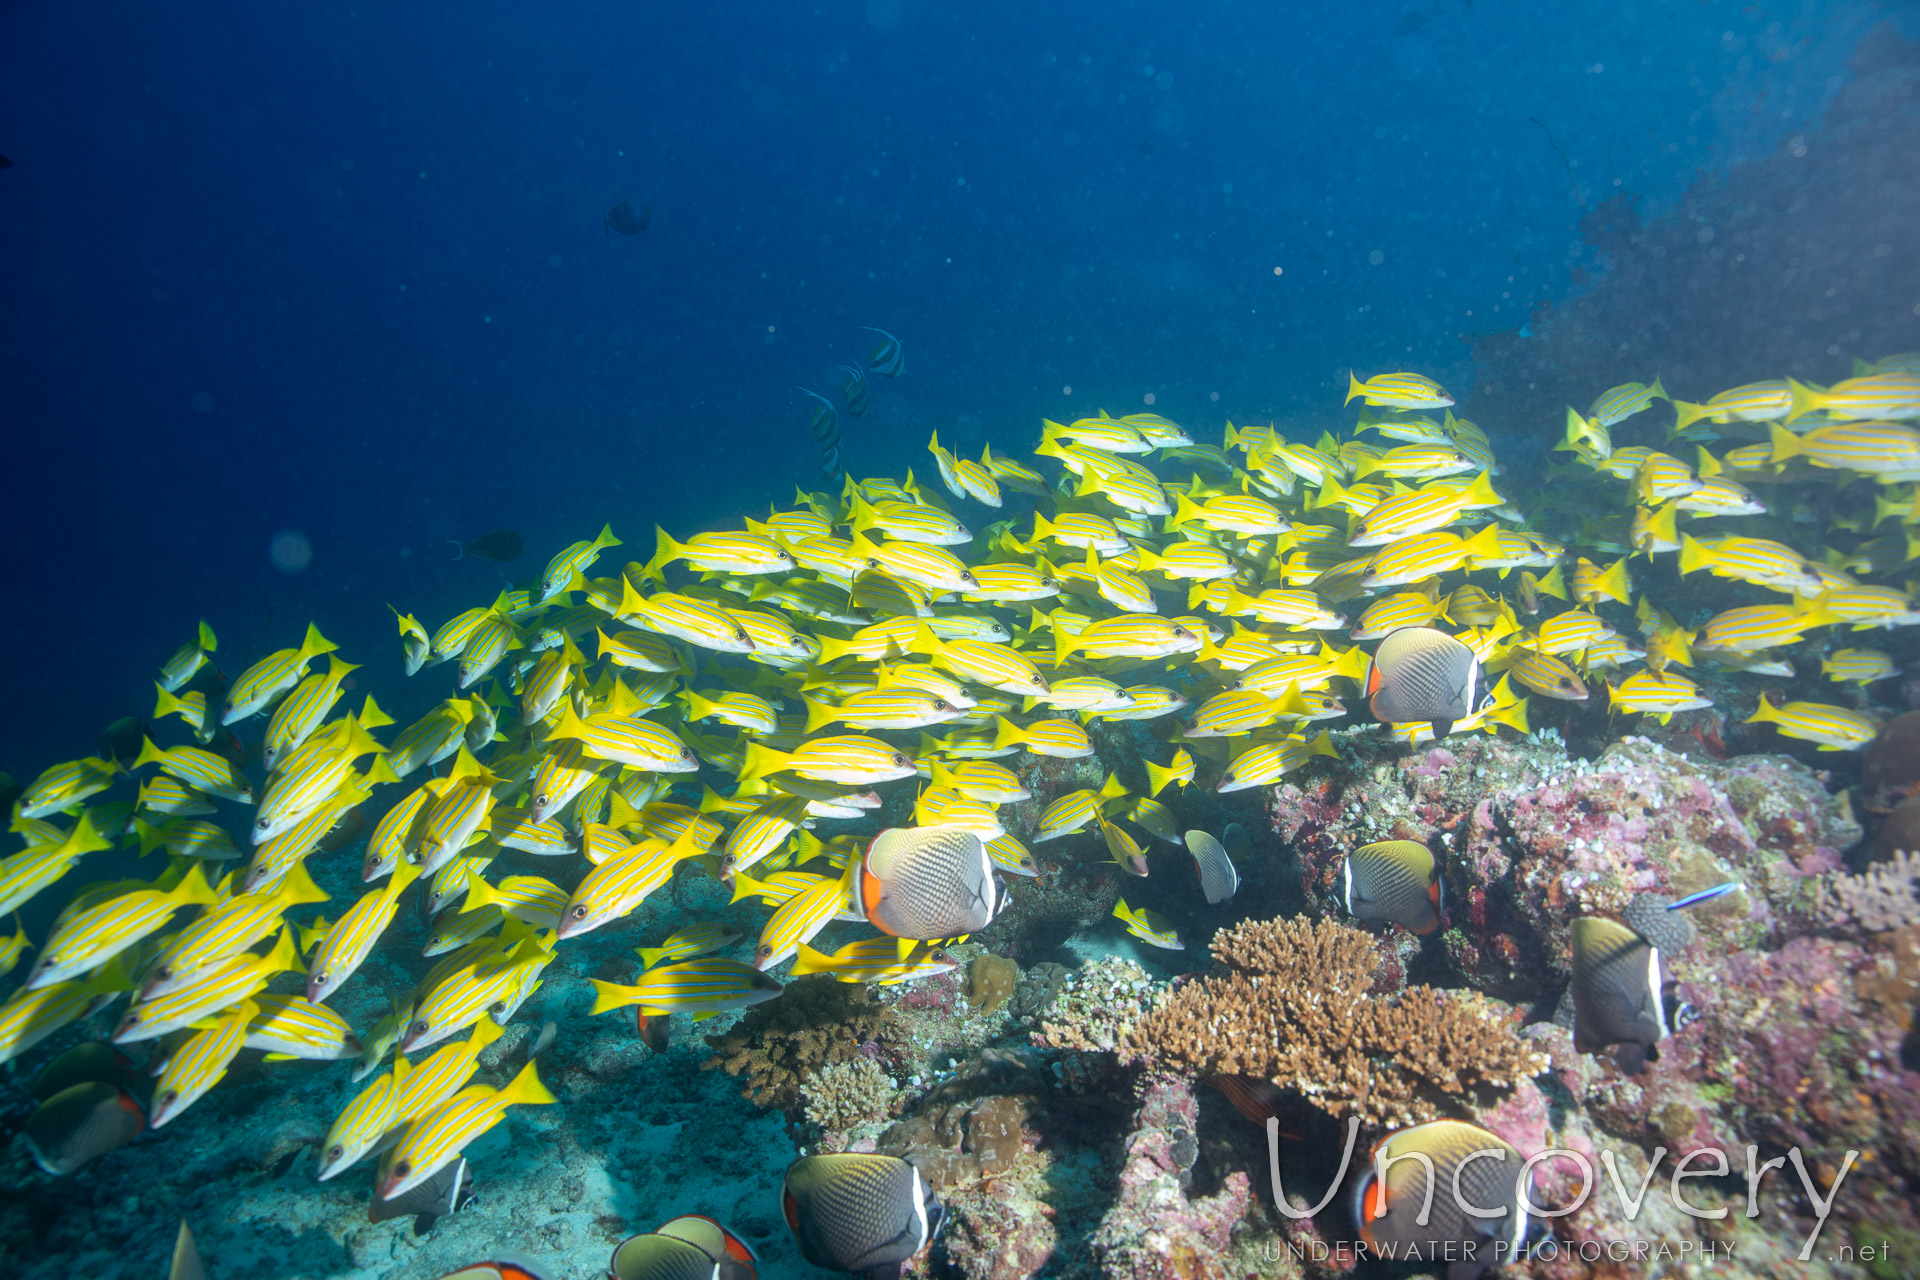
(403, 1169)
(740, 635)
(169, 1097)
(133, 1019)
(335, 1151)
(899, 759)
(543, 799)
(321, 977)
(579, 912)
(872, 563)
(421, 1027)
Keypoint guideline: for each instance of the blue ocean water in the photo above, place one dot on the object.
(341, 269)
(298, 298)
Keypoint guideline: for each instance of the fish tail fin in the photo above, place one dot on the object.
(1784, 443)
(150, 836)
(1514, 716)
(1006, 733)
(1354, 388)
(1122, 911)
(924, 642)
(698, 708)
(485, 1032)
(832, 649)
(208, 640)
(1063, 644)
(808, 960)
(285, 956)
(665, 552)
(315, 644)
(1185, 510)
(819, 714)
(1480, 493)
(149, 754)
(1705, 464)
(1693, 555)
(165, 704)
(1554, 584)
(610, 995)
(479, 892)
(1614, 582)
(1804, 399)
(193, 889)
(1112, 788)
(1484, 545)
(1042, 527)
(525, 1089)
(1322, 746)
(1687, 413)
(650, 956)
(758, 761)
(1158, 778)
(1657, 391)
(297, 887)
(1763, 714)
(605, 538)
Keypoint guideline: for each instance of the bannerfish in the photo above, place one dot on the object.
(1394, 880)
(80, 1123)
(824, 422)
(1419, 673)
(501, 546)
(448, 1191)
(628, 218)
(886, 358)
(1619, 994)
(865, 1214)
(1218, 878)
(1387, 1208)
(928, 882)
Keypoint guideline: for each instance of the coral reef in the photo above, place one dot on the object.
(815, 1023)
(1154, 1231)
(1097, 1007)
(1890, 769)
(841, 1095)
(1038, 986)
(1884, 896)
(1536, 839)
(991, 981)
(1298, 1006)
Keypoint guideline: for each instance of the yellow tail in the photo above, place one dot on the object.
(1805, 400)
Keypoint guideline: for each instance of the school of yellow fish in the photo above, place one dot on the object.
(766, 659)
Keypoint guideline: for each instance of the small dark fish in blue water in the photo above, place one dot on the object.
(447, 1191)
(502, 546)
(121, 740)
(855, 389)
(886, 358)
(628, 218)
(825, 425)
(5, 163)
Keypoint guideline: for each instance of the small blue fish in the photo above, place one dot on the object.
(1705, 895)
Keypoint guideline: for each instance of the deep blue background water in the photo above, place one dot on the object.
(342, 270)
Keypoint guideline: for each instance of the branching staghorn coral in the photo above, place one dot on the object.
(1296, 1006)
